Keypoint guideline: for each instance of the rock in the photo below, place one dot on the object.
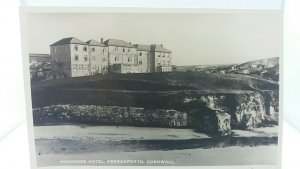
(224, 121)
(251, 111)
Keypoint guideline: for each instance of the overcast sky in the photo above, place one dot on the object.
(194, 39)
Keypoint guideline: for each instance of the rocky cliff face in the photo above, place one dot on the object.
(109, 115)
(210, 113)
(245, 110)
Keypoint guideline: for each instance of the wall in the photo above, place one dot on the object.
(118, 56)
(143, 61)
(61, 59)
(162, 59)
(79, 67)
(98, 59)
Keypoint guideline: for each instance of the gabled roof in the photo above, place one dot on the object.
(70, 40)
(140, 47)
(117, 42)
(93, 42)
(159, 48)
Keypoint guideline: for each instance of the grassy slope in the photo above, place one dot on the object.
(155, 90)
(162, 82)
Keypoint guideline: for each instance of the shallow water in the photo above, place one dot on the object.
(71, 146)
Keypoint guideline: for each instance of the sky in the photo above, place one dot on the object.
(194, 39)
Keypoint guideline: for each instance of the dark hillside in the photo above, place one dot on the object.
(162, 82)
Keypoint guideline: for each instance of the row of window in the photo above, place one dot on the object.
(124, 50)
(85, 58)
(117, 59)
(94, 59)
(164, 63)
(78, 67)
(93, 49)
(84, 48)
(167, 55)
(140, 54)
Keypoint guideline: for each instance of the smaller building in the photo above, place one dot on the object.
(40, 66)
(39, 58)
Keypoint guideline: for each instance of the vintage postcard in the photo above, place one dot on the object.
(153, 87)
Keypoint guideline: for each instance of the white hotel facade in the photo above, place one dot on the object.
(72, 57)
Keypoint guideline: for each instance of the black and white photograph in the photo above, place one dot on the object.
(154, 87)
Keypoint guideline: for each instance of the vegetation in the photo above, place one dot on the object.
(190, 93)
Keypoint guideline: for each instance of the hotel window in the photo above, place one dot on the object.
(85, 48)
(140, 53)
(93, 67)
(93, 49)
(76, 58)
(104, 59)
(123, 50)
(93, 57)
(163, 55)
(103, 51)
(129, 59)
(158, 55)
(128, 50)
(140, 62)
(116, 48)
(76, 47)
(85, 58)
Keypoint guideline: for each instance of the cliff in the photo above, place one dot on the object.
(212, 114)
(212, 104)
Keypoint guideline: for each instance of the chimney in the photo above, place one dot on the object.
(101, 40)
